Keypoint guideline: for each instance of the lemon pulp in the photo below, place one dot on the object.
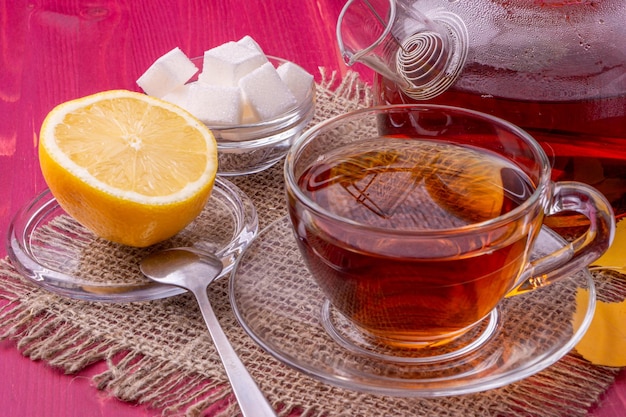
(131, 168)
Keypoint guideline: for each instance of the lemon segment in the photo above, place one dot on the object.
(131, 168)
(468, 184)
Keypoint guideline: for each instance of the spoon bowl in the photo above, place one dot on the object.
(194, 270)
(187, 268)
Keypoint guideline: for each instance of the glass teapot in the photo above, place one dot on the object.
(556, 68)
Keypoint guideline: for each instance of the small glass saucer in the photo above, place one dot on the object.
(46, 245)
(281, 307)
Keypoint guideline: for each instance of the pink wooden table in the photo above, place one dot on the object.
(55, 50)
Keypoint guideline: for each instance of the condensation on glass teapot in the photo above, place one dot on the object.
(555, 68)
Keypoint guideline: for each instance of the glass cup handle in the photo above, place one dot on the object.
(578, 254)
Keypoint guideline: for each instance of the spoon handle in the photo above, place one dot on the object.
(251, 400)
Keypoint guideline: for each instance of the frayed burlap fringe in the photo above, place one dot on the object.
(159, 353)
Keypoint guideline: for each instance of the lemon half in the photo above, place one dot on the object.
(131, 168)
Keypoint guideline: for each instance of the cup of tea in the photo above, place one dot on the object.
(417, 220)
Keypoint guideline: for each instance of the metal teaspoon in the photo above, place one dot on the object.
(194, 270)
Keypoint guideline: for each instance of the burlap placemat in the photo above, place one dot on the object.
(159, 352)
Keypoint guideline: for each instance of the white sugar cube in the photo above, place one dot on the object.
(215, 104)
(168, 72)
(297, 79)
(267, 94)
(178, 96)
(248, 115)
(228, 63)
(249, 42)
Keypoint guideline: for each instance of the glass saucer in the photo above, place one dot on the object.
(46, 245)
(281, 307)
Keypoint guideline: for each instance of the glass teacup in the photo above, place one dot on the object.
(417, 220)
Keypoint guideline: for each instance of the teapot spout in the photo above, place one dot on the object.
(422, 54)
(364, 34)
